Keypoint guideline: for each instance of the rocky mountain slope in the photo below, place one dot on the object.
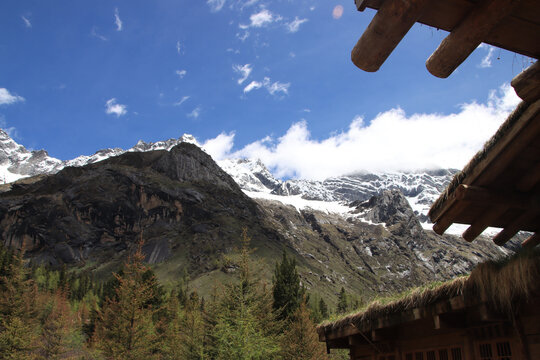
(420, 189)
(190, 214)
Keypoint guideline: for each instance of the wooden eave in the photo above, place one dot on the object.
(513, 25)
(455, 312)
(501, 186)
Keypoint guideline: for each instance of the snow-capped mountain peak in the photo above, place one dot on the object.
(420, 188)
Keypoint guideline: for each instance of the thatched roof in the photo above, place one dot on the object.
(500, 187)
(500, 284)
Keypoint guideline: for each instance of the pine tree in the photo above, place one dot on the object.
(323, 308)
(343, 302)
(245, 325)
(193, 327)
(18, 326)
(287, 290)
(300, 341)
(61, 330)
(125, 329)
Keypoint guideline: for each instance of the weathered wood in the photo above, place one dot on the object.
(485, 196)
(468, 35)
(532, 241)
(447, 218)
(482, 223)
(512, 229)
(530, 179)
(527, 83)
(387, 28)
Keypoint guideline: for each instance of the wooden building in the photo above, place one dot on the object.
(493, 314)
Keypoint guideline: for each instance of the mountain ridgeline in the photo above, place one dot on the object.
(190, 214)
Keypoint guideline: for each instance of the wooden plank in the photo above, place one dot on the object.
(444, 222)
(468, 35)
(482, 222)
(512, 229)
(532, 241)
(519, 32)
(527, 83)
(385, 31)
(530, 179)
(505, 199)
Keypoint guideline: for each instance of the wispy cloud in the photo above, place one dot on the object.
(242, 36)
(94, 33)
(178, 48)
(215, 5)
(277, 87)
(7, 98)
(182, 100)
(486, 60)
(272, 87)
(113, 108)
(195, 113)
(294, 25)
(10, 130)
(243, 71)
(181, 73)
(117, 20)
(261, 19)
(394, 140)
(26, 21)
(254, 85)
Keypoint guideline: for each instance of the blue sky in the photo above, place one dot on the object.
(78, 76)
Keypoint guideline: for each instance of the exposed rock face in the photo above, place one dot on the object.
(390, 208)
(98, 211)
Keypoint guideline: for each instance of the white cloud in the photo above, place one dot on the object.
(243, 71)
(220, 146)
(278, 87)
(26, 21)
(10, 130)
(215, 5)
(272, 87)
(182, 100)
(254, 85)
(95, 34)
(7, 98)
(486, 60)
(181, 73)
(195, 113)
(242, 36)
(294, 25)
(178, 48)
(260, 19)
(391, 141)
(113, 108)
(117, 20)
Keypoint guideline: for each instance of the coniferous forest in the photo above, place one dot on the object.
(59, 314)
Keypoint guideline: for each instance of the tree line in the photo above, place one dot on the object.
(58, 314)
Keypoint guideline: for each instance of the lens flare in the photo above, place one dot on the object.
(337, 12)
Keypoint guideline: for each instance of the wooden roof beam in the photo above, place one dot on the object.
(527, 83)
(387, 28)
(531, 241)
(482, 223)
(512, 229)
(477, 194)
(468, 35)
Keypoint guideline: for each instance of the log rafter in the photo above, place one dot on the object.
(468, 35)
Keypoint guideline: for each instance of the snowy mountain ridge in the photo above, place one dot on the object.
(253, 177)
